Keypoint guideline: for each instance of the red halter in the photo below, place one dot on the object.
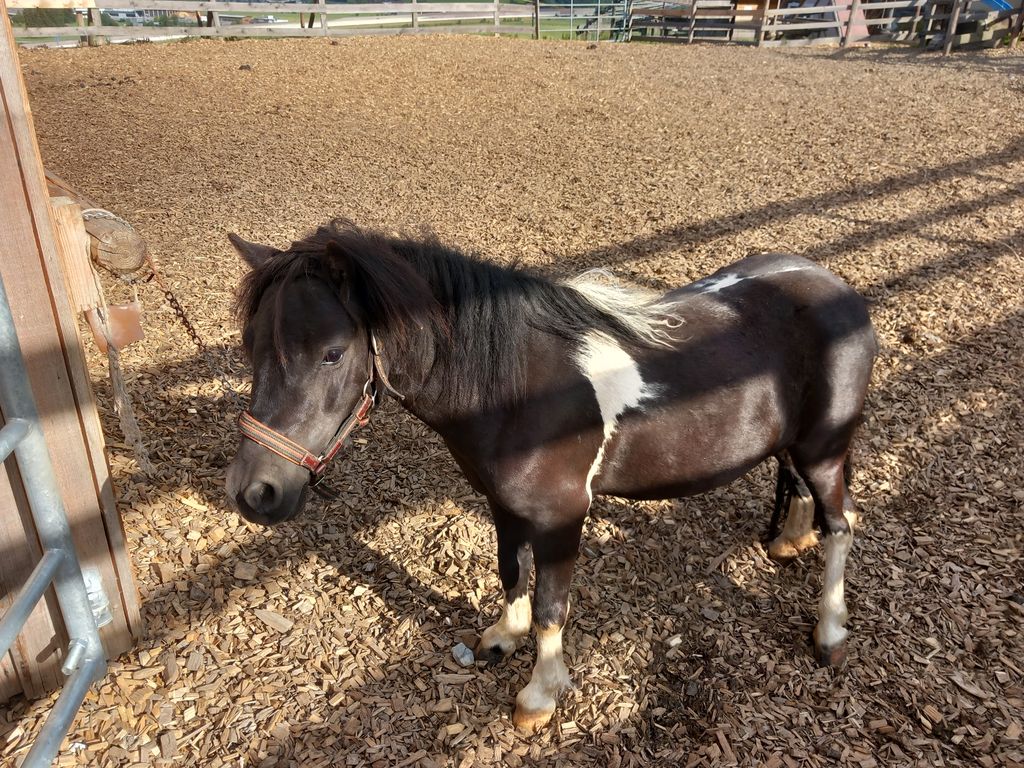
(286, 448)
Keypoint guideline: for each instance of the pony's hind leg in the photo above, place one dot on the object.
(832, 502)
(515, 559)
(798, 534)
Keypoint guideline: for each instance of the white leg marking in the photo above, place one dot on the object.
(832, 614)
(536, 701)
(514, 623)
(617, 383)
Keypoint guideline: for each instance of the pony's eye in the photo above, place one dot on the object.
(332, 356)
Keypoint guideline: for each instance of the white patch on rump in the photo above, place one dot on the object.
(617, 384)
(715, 284)
(729, 279)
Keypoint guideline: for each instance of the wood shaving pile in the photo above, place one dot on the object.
(327, 641)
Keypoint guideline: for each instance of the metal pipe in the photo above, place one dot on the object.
(52, 734)
(76, 650)
(16, 616)
(41, 489)
(11, 434)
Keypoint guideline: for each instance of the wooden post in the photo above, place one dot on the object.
(764, 6)
(95, 20)
(415, 15)
(323, 15)
(536, 19)
(80, 22)
(48, 333)
(916, 19)
(1017, 27)
(954, 18)
(497, 18)
(854, 8)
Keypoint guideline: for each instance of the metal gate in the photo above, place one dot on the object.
(85, 660)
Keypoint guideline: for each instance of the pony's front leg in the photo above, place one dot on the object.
(515, 558)
(555, 553)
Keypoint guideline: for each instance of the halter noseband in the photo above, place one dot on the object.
(316, 465)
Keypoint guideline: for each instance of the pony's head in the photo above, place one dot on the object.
(309, 315)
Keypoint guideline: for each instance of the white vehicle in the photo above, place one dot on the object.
(135, 18)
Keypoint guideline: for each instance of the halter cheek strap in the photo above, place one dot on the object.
(275, 442)
(281, 445)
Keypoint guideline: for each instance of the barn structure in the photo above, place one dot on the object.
(66, 586)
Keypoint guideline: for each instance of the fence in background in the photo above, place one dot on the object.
(761, 22)
(808, 22)
(85, 22)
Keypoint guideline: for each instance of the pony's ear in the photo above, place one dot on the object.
(253, 254)
(339, 263)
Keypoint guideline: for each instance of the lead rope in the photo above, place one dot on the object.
(123, 405)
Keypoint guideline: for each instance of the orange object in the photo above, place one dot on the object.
(124, 322)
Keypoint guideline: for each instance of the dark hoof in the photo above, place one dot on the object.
(492, 655)
(830, 657)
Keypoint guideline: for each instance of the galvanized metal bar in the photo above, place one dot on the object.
(56, 727)
(10, 435)
(59, 561)
(16, 616)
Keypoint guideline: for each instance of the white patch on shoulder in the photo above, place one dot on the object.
(729, 279)
(617, 383)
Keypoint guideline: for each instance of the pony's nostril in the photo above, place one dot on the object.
(261, 497)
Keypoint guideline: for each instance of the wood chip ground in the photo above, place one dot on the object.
(327, 641)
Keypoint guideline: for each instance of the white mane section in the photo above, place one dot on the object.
(640, 310)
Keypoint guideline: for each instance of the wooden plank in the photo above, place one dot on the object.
(802, 41)
(48, 332)
(73, 248)
(805, 11)
(156, 33)
(810, 25)
(958, 6)
(891, 4)
(70, 230)
(1018, 25)
(849, 22)
(32, 665)
(259, 9)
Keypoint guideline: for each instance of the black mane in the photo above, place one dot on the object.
(477, 312)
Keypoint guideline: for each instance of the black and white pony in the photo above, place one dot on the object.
(548, 393)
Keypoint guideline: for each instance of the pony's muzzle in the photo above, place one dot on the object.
(265, 497)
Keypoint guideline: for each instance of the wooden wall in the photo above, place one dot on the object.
(48, 333)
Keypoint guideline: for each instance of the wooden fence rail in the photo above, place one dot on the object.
(224, 19)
